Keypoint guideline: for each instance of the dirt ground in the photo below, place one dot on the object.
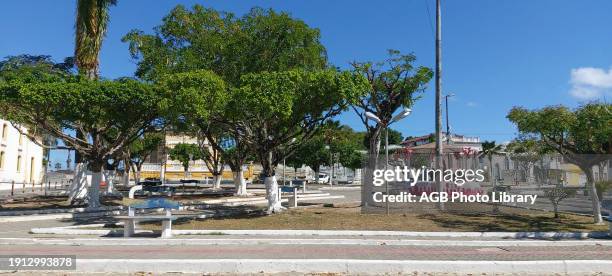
(330, 218)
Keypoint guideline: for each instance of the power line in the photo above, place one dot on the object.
(431, 28)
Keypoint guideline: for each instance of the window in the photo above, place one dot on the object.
(19, 163)
(32, 170)
(1, 159)
(4, 131)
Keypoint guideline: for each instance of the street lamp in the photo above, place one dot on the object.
(284, 158)
(330, 172)
(396, 118)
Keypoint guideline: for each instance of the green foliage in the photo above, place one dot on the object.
(586, 130)
(92, 17)
(490, 148)
(261, 41)
(111, 113)
(395, 138)
(185, 153)
(331, 138)
(602, 187)
(393, 83)
(231, 46)
(142, 147)
(582, 136)
(276, 107)
(196, 95)
(556, 195)
(287, 98)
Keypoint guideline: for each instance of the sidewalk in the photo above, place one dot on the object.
(343, 256)
(348, 254)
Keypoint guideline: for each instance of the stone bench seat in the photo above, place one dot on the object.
(129, 223)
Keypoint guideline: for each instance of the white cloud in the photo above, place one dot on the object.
(471, 104)
(590, 83)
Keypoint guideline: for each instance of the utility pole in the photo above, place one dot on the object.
(438, 96)
(448, 134)
(448, 137)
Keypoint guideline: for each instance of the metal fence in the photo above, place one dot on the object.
(15, 189)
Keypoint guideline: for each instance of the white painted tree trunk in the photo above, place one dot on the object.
(137, 180)
(94, 190)
(274, 203)
(593, 193)
(78, 188)
(240, 183)
(126, 178)
(217, 181)
(110, 181)
(107, 177)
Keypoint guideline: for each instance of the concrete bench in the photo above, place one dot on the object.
(129, 223)
(293, 200)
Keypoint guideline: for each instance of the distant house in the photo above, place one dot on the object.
(21, 160)
(458, 143)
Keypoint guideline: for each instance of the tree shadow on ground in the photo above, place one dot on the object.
(504, 222)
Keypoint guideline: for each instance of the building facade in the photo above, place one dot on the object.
(160, 165)
(21, 160)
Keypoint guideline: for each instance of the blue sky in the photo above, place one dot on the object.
(497, 54)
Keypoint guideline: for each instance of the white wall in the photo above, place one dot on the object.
(31, 165)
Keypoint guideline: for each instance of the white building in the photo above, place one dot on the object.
(21, 160)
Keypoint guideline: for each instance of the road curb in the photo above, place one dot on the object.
(503, 235)
(513, 235)
(340, 266)
(296, 241)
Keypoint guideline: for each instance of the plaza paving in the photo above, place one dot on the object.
(202, 251)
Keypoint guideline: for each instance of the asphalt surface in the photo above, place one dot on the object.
(264, 250)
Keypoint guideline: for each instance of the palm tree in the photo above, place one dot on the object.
(91, 24)
(92, 18)
(489, 148)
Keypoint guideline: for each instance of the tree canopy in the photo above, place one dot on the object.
(185, 153)
(112, 113)
(231, 46)
(582, 136)
(393, 83)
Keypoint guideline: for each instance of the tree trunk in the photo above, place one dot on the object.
(240, 182)
(272, 194)
(126, 173)
(106, 176)
(493, 184)
(556, 209)
(110, 181)
(137, 174)
(375, 141)
(94, 189)
(126, 178)
(317, 174)
(78, 188)
(217, 181)
(593, 192)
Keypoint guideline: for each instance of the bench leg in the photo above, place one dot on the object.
(166, 229)
(129, 226)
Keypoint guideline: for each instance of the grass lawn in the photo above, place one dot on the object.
(509, 219)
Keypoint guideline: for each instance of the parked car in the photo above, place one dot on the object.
(323, 178)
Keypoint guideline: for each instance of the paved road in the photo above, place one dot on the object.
(264, 250)
(119, 254)
(577, 204)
